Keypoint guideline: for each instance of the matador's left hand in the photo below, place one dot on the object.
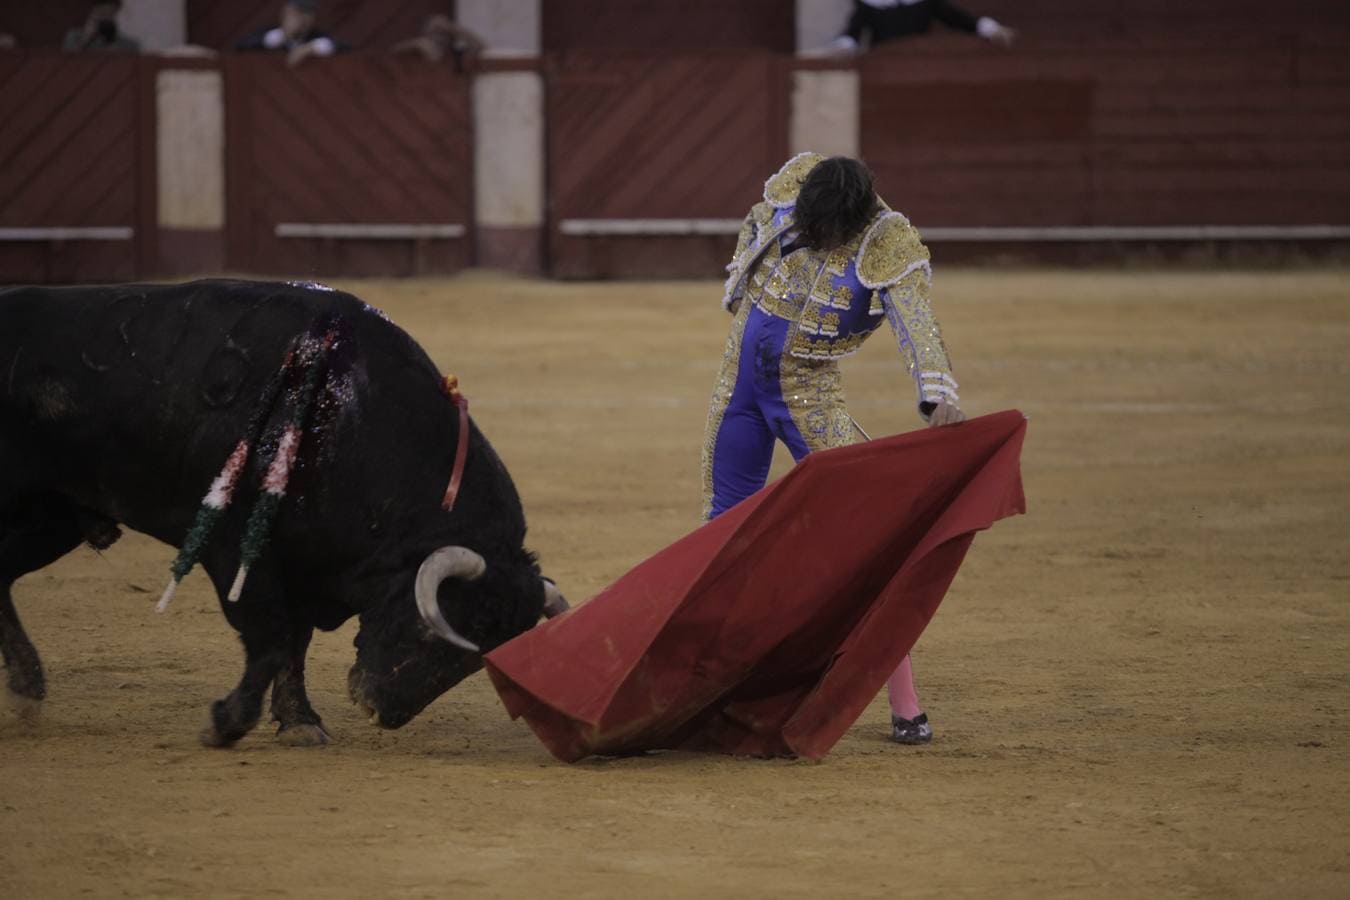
(945, 414)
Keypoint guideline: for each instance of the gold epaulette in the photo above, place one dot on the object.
(755, 230)
(782, 188)
(753, 241)
(890, 251)
(762, 213)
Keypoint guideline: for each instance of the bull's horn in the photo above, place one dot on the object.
(447, 562)
(554, 602)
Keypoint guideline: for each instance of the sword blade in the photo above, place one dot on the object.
(866, 436)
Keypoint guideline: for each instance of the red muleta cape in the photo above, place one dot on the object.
(770, 629)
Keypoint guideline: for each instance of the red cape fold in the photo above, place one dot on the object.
(769, 630)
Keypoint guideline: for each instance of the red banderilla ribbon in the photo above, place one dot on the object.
(450, 386)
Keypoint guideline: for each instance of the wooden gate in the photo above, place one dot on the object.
(671, 148)
(1146, 131)
(359, 164)
(76, 167)
(960, 137)
(688, 26)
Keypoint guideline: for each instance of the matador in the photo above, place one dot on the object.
(818, 264)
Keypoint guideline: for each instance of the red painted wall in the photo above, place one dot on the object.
(73, 151)
(1248, 127)
(687, 26)
(361, 139)
(658, 136)
(1132, 112)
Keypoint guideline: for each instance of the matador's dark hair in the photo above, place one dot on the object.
(836, 202)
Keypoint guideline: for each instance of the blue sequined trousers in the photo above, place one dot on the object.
(764, 394)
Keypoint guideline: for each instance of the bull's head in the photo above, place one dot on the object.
(419, 647)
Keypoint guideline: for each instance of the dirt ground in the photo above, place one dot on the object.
(1140, 689)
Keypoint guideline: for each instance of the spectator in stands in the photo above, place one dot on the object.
(885, 20)
(7, 42)
(100, 31)
(442, 36)
(296, 34)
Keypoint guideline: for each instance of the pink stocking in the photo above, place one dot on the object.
(900, 689)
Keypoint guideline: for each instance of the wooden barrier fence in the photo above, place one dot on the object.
(365, 163)
(76, 167)
(361, 165)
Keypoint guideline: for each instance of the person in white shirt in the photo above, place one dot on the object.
(875, 21)
(296, 34)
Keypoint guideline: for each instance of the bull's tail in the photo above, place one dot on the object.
(222, 490)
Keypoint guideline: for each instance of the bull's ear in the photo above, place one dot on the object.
(554, 602)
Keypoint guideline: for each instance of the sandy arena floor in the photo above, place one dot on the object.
(1140, 689)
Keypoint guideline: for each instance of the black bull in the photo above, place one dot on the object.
(120, 405)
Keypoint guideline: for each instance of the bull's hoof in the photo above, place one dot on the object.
(212, 738)
(303, 736)
(374, 717)
(218, 731)
(24, 712)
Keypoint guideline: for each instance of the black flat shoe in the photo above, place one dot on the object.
(911, 731)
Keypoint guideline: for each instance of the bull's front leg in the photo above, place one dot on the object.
(298, 724)
(263, 622)
(235, 715)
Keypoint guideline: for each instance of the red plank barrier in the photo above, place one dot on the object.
(1147, 114)
(1133, 129)
(370, 155)
(74, 200)
(644, 138)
